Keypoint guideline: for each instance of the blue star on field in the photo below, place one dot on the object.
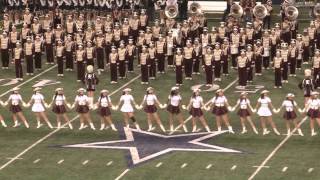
(144, 146)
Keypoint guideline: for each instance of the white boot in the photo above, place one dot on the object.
(81, 126)
(171, 128)
(230, 130)
(194, 129)
(127, 126)
(288, 132)
(244, 130)
(265, 131)
(185, 128)
(276, 131)
(92, 126)
(138, 127)
(113, 127)
(313, 133)
(38, 124)
(219, 129)
(70, 126)
(162, 128)
(90, 100)
(50, 125)
(16, 124)
(300, 132)
(59, 125)
(151, 128)
(26, 124)
(102, 126)
(208, 129)
(3, 123)
(255, 131)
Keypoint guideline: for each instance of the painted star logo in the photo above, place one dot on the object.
(144, 146)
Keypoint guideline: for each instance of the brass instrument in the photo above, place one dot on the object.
(291, 13)
(260, 11)
(316, 10)
(195, 8)
(171, 11)
(236, 11)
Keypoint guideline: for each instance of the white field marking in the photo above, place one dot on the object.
(25, 82)
(284, 169)
(275, 150)
(184, 165)
(56, 130)
(209, 166)
(262, 166)
(13, 158)
(190, 117)
(85, 162)
(233, 167)
(60, 162)
(36, 161)
(310, 170)
(122, 174)
(295, 134)
(109, 163)
(159, 164)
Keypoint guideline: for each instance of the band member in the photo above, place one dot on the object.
(117, 34)
(14, 38)
(152, 61)
(38, 50)
(312, 35)
(300, 47)
(197, 56)
(243, 65)
(258, 52)
(264, 104)
(47, 22)
(195, 105)
(135, 25)
(205, 38)
(114, 58)
(251, 63)
(18, 56)
(208, 59)
(25, 32)
(150, 102)
(123, 54)
(131, 48)
(178, 60)
(27, 17)
(7, 23)
(257, 26)
(82, 107)
(29, 52)
(98, 25)
(234, 48)
(70, 49)
(289, 105)
(278, 68)
(90, 53)
(141, 41)
(225, 56)
(91, 81)
(245, 110)
(70, 25)
(219, 105)
(217, 61)
(174, 103)
(89, 34)
(5, 43)
(143, 20)
(286, 33)
(79, 37)
(80, 58)
(307, 42)
(127, 100)
(60, 54)
(266, 41)
(161, 46)
(312, 109)
(307, 85)
(189, 55)
(15, 100)
(293, 54)
(285, 53)
(126, 30)
(59, 103)
(100, 45)
(104, 104)
(37, 101)
(144, 62)
(49, 40)
(36, 27)
(275, 41)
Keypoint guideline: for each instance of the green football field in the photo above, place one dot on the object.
(35, 153)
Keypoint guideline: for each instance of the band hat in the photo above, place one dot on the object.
(290, 95)
(174, 88)
(196, 90)
(264, 92)
(219, 90)
(81, 90)
(59, 89)
(205, 29)
(149, 88)
(293, 41)
(314, 93)
(307, 72)
(104, 91)
(15, 89)
(18, 43)
(127, 90)
(243, 94)
(89, 68)
(37, 89)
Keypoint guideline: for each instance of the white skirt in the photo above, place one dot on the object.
(264, 111)
(37, 108)
(126, 108)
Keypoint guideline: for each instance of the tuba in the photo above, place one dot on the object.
(171, 10)
(291, 13)
(236, 11)
(316, 10)
(260, 11)
(194, 8)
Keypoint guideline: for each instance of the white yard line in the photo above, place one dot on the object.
(109, 163)
(56, 130)
(159, 164)
(36, 161)
(85, 162)
(25, 82)
(284, 169)
(184, 165)
(122, 174)
(233, 167)
(310, 170)
(209, 166)
(60, 162)
(190, 117)
(275, 151)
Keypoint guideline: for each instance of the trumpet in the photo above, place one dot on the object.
(236, 11)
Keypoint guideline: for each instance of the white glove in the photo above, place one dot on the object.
(301, 110)
(206, 108)
(184, 107)
(94, 107)
(162, 106)
(230, 108)
(253, 110)
(138, 107)
(70, 106)
(114, 108)
(276, 110)
(26, 105)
